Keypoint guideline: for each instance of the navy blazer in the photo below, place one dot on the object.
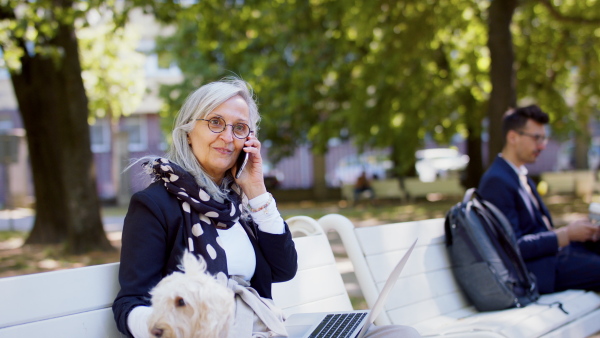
(501, 186)
(153, 243)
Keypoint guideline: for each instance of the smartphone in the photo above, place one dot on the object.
(241, 163)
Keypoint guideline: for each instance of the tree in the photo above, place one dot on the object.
(383, 73)
(552, 60)
(40, 47)
(502, 72)
(113, 76)
(571, 90)
(378, 72)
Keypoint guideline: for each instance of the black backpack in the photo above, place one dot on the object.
(486, 260)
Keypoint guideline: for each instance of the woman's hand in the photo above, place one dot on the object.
(251, 180)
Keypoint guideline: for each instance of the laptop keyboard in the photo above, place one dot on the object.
(338, 325)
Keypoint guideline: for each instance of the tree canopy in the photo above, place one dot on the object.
(383, 73)
(112, 69)
(558, 60)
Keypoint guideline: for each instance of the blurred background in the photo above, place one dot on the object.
(409, 92)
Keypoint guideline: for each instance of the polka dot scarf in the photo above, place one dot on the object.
(202, 214)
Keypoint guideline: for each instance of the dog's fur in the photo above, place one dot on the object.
(191, 304)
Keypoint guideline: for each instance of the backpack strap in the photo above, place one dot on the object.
(497, 224)
(469, 194)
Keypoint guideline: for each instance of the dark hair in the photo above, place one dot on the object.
(515, 119)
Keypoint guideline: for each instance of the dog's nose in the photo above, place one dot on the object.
(156, 332)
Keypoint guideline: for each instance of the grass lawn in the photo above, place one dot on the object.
(16, 259)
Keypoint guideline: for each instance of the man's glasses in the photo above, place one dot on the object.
(538, 138)
(218, 125)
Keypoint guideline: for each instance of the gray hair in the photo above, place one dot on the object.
(198, 105)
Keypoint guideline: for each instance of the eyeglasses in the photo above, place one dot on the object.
(538, 138)
(218, 125)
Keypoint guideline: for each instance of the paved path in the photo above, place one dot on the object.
(22, 220)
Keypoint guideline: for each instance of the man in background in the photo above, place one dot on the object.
(560, 258)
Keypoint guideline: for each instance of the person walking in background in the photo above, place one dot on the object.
(363, 186)
(560, 258)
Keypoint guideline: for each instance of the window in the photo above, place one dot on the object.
(100, 134)
(137, 129)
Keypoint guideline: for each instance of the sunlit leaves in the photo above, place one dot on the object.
(383, 73)
(557, 60)
(113, 71)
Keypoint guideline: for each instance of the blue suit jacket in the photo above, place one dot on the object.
(500, 185)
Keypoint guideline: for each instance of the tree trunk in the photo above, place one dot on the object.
(502, 72)
(53, 105)
(473, 116)
(582, 141)
(114, 154)
(320, 184)
(475, 167)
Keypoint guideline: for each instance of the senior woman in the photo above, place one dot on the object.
(196, 204)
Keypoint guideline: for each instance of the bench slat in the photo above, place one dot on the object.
(309, 286)
(318, 285)
(531, 321)
(314, 251)
(424, 259)
(433, 307)
(583, 327)
(92, 324)
(379, 239)
(418, 288)
(331, 304)
(57, 293)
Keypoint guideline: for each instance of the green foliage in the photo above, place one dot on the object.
(29, 27)
(558, 61)
(113, 71)
(383, 74)
(380, 73)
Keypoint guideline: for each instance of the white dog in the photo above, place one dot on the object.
(191, 304)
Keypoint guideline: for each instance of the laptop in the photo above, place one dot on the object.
(350, 324)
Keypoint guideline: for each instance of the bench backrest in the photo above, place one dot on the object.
(426, 289)
(77, 302)
(66, 303)
(318, 285)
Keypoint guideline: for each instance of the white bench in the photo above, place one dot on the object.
(77, 302)
(66, 303)
(383, 189)
(559, 182)
(581, 183)
(414, 188)
(428, 298)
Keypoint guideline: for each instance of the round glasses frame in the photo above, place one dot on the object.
(218, 129)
